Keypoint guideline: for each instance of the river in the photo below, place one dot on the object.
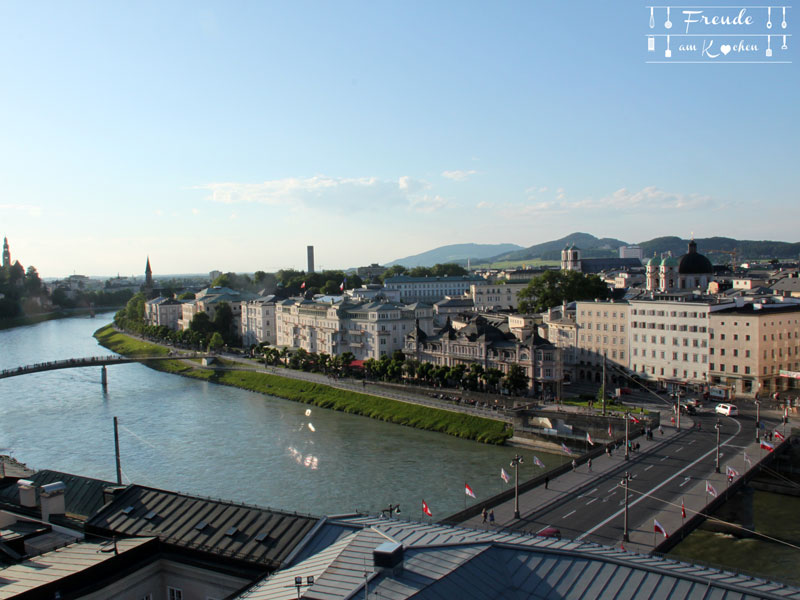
(185, 435)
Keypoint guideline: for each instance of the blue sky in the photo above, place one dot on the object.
(228, 136)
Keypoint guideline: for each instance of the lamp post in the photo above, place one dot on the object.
(717, 427)
(515, 463)
(627, 424)
(758, 420)
(625, 481)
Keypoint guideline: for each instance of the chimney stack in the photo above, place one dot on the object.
(27, 493)
(52, 497)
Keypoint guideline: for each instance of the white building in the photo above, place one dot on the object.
(489, 296)
(631, 252)
(430, 289)
(258, 322)
(163, 311)
(367, 330)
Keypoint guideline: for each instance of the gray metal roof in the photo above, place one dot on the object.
(83, 496)
(248, 533)
(443, 562)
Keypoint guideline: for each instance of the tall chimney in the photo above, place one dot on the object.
(27, 493)
(310, 250)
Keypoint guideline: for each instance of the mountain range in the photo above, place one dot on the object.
(718, 249)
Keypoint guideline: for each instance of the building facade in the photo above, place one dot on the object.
(602, 334)
(430, 289)
(162, 311)
(258, 322)
(489, 296)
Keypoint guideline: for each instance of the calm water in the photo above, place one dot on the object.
(217, 441)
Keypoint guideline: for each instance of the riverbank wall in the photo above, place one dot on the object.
(461, 425)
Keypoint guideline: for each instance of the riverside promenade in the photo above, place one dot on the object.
(673, 467)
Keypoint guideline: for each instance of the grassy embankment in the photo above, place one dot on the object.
(375, 407)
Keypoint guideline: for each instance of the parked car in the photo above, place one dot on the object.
(551, 532)
(688, 409)
(729, 410)
(693, 402)
(625, 390)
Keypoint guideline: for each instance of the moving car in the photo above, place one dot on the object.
(688, 409)
(551, 532)
(729, 410)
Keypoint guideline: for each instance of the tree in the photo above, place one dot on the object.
(201, 323)
(187, 296)
(134, 309)
(223, 321)
(216, 342)
(552, 288)
(33, 285)
(517, 380)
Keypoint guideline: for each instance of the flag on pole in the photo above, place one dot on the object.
(425, 509)
(683, 509)
(610, 431)
(468, 490)
(710, 489)
(731, 472)
(303, 285)
(778, 435)
(589, 438)
(659, 528)
(747, 460)
(565, 449)
(765, 445)
(341, 286)
(537, 462)
(634, 419)
(505, 476)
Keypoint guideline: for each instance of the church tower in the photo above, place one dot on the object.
(148, 279)
(6, 254)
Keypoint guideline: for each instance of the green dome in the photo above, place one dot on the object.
(654, 262)
(670, 261)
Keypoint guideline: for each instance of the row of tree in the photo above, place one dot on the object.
(437, 270)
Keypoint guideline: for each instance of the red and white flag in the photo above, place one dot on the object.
(634, 419)
(425, 509)
(778, 435)
(505, 476)
(341, 286)
(468, 490)
(537, 462)
(565, 449)
(610, 431)
(710, 489)
(731, 472)
(659, 528)
(303, 286)
(747, 460)
(589, 438)
(683, 509)
(765, 445)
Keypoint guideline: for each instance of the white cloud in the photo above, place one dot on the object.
(458, 175)
(338, 195)
(485, 204)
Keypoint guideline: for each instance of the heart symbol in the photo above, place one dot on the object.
(725, 49)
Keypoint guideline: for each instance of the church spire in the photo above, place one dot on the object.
(148, 279)
(6, 253)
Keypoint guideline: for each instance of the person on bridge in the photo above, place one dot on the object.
(589, 464)
(484, 514)
(491, 516)
(574, 465)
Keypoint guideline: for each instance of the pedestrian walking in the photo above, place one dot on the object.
(589, 463)
(574, 465)
(660, 430)
(546, 481)
(484, 514)
(491, 517)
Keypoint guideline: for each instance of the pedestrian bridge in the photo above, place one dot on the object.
(91, 361)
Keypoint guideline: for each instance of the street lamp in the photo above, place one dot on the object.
(627, 424)
(758, 420)
(625, 481)
(717, 427)
(515, 463)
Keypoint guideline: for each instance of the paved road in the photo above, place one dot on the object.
(590, 505)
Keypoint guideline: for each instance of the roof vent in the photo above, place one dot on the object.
(232, 531)
(261, 537)
(149, 516)
(201, 525)
(27, 493)
(127, 510)
(388, 555)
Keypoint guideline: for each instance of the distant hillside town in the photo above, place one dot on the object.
(677, 322)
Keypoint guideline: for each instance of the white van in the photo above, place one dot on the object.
(729, 410)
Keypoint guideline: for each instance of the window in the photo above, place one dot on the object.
(174, 593)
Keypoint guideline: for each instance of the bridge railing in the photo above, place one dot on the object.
(82, 362)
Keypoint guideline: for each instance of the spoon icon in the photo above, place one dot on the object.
(783, 23)
(769, 17)
(668, 23)
(652, 20)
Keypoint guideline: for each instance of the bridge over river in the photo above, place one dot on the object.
(91, 361)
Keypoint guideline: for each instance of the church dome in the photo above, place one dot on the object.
(670, 261)
(654, 262)
(693, 263)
